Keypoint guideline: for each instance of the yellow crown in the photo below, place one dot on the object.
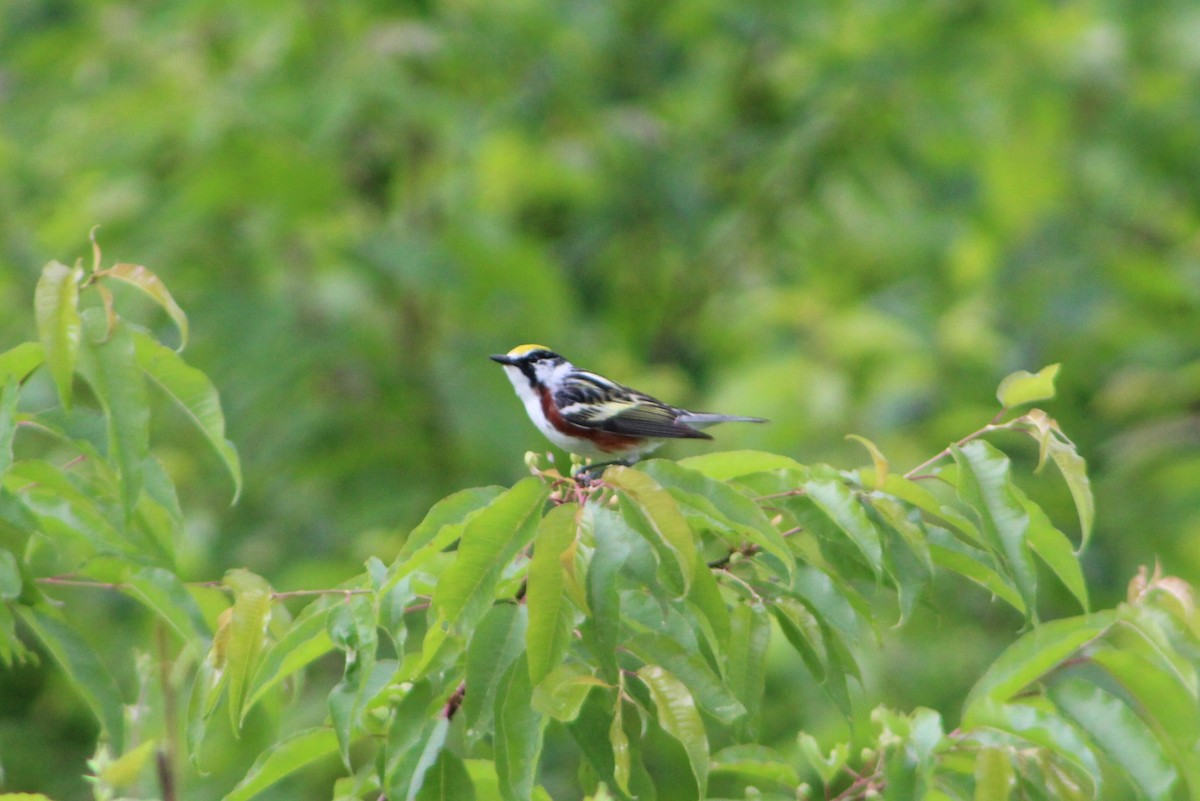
(521, 350)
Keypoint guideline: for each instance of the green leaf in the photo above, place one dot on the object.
(732, 464)
(447, 780)
(690, 668)
(1165, 698)
(841, 506)
(1043, 727)
(1053, 548)
(562, 692)
(1120, 734)
(755, 764)
(414, 725)
(719, 501)
(84, 670)
(304, 642)
(518, 735)
(428, 757)
(107, 361)
(705, 596)
(284, 758)
(1034, 655)
(879, 462)
(652, 512)
(60, 329)
(1024, 387)
(162, 592)
(191, 390)
(10, 576)
(993, 775)
(679, 717)
(949, 553)
(985, 485)
(622, 764)
(1074, 472)
(250, 615)
(447, 512)
(745, 671)
(9, 393)
(124, 771)
(489, 543)
(496, 642)
(138, 276)
(12, 650)
(551, 614)
(803, 631)
(63, 513)
(18, 362)
(612, 548)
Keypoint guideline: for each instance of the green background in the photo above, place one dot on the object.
(847, 217)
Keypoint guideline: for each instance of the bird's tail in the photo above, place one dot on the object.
(701, 419)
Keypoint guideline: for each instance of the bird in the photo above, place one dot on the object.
(591, 416)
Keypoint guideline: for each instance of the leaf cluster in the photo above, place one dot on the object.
(630, 611)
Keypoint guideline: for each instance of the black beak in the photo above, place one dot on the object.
(502, 358)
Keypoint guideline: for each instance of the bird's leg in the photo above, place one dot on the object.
(589, 473)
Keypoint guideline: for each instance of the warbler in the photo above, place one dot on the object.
(593, 416)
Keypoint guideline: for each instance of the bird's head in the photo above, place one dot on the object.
(535, 364)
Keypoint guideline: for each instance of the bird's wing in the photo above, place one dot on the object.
(595, 402)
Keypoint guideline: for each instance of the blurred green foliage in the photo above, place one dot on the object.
(850, 218)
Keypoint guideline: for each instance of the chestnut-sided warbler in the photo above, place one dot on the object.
(592, 416)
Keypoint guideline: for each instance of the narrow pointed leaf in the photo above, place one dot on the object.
(691, 669)
(192, 392)
(839, 503)
(284, 758)
(138, 276)
(551, 614)
(1074, 471)
(679, 717)
(951, 554)
(518, 736)
(1053, 548)
(1120, 734)
(1035, 654)
(496, 642)
(107, 361)
(745, 671)
(612, 548)
(84, 670)
(720, 501)
(490, 541)
(447, 780)
(449, 511)
(985, 485)
(655, 514)
(60, 329)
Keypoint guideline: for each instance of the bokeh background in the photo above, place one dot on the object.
(849, 217)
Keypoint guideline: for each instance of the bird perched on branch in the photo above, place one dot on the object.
(592, 416)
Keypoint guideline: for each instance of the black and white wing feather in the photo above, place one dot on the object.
(592, 401)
